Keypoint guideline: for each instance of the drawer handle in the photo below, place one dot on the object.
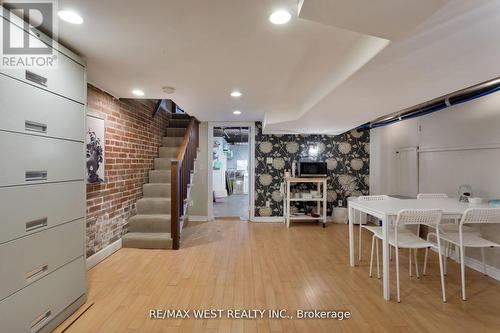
(35, 127)
(37, 271)
(38, 79)
(36, 224)
(40, 321)
(35, 175)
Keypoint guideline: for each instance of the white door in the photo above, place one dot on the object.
(407, 171)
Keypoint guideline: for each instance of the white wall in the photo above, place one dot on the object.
(200, 181)
(384, 142)
(472, 124)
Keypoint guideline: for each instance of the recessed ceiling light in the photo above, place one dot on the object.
(168, 90)
(280, 16)
(138, 92)
(236, 93)
(70, 16)
(237, 112)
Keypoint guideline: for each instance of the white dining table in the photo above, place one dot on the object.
(387, 210)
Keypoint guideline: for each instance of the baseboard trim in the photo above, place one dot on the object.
(268, 219)
(103, 254)
(331, 219)
(476, 265)
(281, 219)
(198, 218)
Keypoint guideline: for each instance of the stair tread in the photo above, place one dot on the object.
(153, 205)
(154, 199)
(176, 131)
(172, 141)
(161, 176)
(150, 223)
(180, 116)
(163, 163)
(147, 240)
(151, 216)
(179, 122)
(168, 152)
(148, 234)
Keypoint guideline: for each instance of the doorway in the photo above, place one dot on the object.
(231, 174)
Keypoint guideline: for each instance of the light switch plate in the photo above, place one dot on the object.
(269, 160)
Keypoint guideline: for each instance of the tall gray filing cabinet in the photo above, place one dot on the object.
(42, 191)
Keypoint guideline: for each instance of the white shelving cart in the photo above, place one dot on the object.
(321, 202)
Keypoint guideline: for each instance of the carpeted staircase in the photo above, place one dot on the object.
(150, 228)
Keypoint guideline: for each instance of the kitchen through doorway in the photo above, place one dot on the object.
(231, 171)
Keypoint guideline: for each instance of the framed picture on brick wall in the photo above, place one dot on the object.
(95, 143)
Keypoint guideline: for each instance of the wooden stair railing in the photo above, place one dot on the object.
(181, 169)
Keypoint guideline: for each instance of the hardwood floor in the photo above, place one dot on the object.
(229, 264)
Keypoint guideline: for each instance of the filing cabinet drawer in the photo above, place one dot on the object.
(33, 307)
(30, 258)
(28, 159)
(29, 209)
(66, 78)
(42, 113)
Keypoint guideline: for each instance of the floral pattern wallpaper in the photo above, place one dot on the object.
(347, 157)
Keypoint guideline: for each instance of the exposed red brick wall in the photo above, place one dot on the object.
(132, 141)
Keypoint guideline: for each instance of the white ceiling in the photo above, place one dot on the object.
(390, 19)
(325, 71)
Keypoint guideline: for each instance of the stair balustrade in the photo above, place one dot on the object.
(181, 169)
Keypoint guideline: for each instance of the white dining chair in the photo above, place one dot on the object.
(421, 196)
(445, 227)
(429, 196)
(370, 228)
(464, 239)
(400, 238)
(375, 230)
